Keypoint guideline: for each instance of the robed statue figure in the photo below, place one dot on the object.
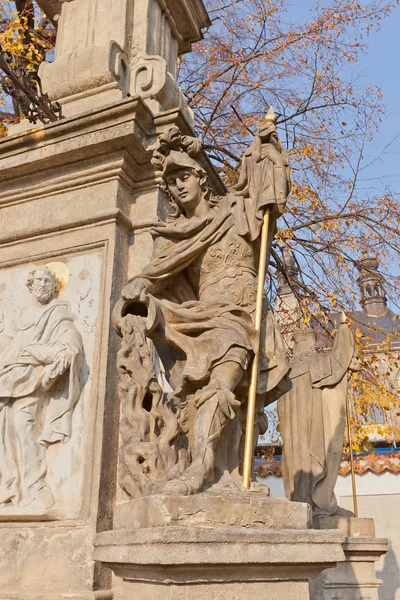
(312, 418)
(187, 323)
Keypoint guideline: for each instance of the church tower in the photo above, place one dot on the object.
(373, 299)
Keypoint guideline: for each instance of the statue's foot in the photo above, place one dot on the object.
(44, 498)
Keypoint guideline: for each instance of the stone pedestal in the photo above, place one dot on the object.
(214, 547)
(355, 578)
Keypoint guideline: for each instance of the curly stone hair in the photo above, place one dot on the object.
(47, 271)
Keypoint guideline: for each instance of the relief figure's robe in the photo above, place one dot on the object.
(31, 417)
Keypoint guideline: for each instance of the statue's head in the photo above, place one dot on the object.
(183, 179)
(43, 284)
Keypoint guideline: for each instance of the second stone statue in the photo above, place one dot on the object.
(187, 324)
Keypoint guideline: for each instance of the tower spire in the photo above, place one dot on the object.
(373, 299)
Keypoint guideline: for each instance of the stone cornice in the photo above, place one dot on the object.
(190, 17)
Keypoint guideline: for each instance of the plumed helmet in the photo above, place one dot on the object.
(179, 160)
(176, 151)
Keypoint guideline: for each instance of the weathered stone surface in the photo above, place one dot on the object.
(109, 49)
(356, 575)
(217, 563)
(35, 559)
(350, 526)
(211, 510)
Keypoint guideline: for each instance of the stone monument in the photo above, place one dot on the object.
(188, 337)
(83, 193)
(69, 193)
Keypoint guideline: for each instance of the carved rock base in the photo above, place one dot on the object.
(355, 578)
(213, 509)
(177, 563)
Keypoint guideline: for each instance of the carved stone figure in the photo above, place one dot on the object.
(312, 419)
(39, 387)
(186, 323)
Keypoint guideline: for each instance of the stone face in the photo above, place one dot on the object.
(212, 510)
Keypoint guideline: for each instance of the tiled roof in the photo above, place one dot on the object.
(375, 462)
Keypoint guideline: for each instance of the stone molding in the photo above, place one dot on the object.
(198, 563)
(108, 50)
(362, 549)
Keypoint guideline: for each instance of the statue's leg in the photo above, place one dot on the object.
(33, 466)
(216, 404)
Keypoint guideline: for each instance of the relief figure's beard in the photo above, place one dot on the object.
(43, 296)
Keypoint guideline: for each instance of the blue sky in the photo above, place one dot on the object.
(380, 66)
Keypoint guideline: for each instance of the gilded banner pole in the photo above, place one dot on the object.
(266, 234)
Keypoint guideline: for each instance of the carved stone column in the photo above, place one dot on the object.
(108, 50)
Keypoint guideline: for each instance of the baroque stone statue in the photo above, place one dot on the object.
(312, 416)
(187, 323)
(39, 387)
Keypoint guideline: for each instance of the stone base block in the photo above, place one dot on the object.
(252, 510)
(178, 563)
(355, 577)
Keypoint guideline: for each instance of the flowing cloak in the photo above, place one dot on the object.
(27, 362)
(205, 334)
(312, 423)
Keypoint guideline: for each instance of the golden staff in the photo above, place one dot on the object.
(350, 438)
(251, 402)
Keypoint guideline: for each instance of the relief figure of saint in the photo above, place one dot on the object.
(39, 387)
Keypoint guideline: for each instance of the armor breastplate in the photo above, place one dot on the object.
(227, 272)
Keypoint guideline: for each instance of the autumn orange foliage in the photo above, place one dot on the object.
(253, 57)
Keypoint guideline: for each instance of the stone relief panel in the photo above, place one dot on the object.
(48, 314)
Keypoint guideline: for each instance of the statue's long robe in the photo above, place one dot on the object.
(23, 367)
(312, 421)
